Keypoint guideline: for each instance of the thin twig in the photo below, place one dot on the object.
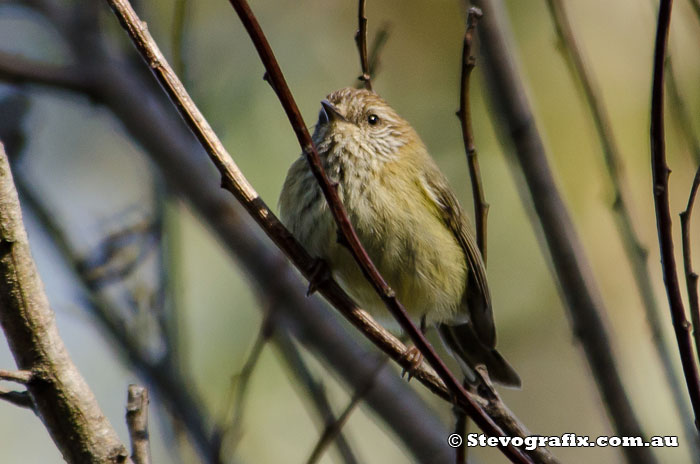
(579, 290)
(481, 208)
(334, 428)
(660, 172)
(237, 392)
(691, 277)
(637, 253)
(137, 423)
(361, 41)
(313, 389)
(20, 399)
(20, 377)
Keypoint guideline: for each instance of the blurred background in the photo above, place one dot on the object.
(94, 178)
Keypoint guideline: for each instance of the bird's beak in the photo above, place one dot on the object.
(329, 113)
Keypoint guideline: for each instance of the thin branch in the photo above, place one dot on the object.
(237, 392)
(63, 400)
(637, 253)
(276, 78)
(576, 283)
(314, 390)
(361, 41)
(660, 172)
(334, 428)
(20, 377)
(481, 208)
(691, 277)
(137, 423)
(21, 399)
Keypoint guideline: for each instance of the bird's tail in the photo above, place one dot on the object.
(464, 344)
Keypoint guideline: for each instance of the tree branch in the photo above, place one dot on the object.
(62, 398)
(691, 277)
(660, 173)
(361, 41)
(137, 423)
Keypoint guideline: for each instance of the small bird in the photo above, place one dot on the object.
(408, 220)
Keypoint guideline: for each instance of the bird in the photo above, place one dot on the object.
(408, 220)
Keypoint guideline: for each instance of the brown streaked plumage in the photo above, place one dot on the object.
(406, 217)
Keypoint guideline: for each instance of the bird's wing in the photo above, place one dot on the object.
(476, 296)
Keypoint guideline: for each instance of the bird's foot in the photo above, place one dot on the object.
(415, 358)
(319, 275)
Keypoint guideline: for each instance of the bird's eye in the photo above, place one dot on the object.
(373, 119)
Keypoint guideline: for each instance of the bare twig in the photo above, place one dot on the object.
(334, 428)
(660, 172)
(237, 392)
(481, 208)
(637, 253)
(691, 277)
(572, 270)
(137, 423)
(313, 390)
(63, 399)
(21, 377)
(361, 41)
(20, 399)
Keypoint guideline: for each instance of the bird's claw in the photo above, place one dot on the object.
(415, 358)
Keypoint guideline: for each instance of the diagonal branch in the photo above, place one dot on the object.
(660, 173)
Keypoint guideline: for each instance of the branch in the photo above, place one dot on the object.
(481, 208)
(660, 173)
(313, 390)
(361, 41)
(572, 270)
(21, 377)
(62, 398)
(21, 399)
(637, 254)
(691, 278)
(137, 423)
